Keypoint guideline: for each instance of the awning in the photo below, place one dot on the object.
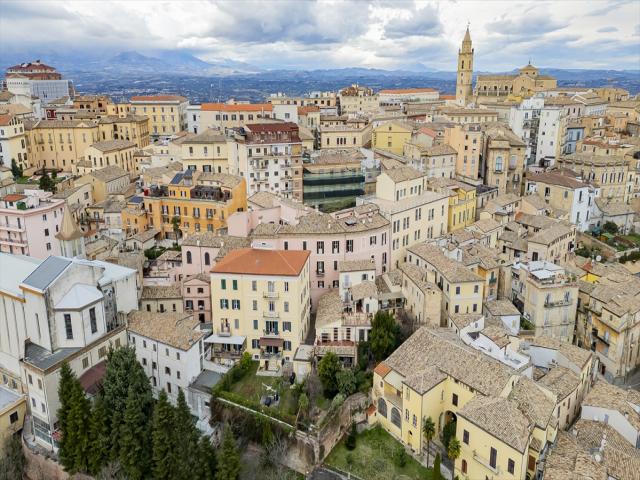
(271, 342)
(225, 340)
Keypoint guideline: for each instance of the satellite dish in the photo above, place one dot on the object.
(598, 258)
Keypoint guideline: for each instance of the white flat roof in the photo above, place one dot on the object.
(78, 297)
(231, 339)
(13, 270)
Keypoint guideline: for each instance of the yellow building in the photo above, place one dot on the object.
(207, 151)
(133, 128)
(462, 201)
(349, 135)
(92, 104)
(107, 153)
(120, 109)
(462, 288)
(261, 305)
(527, 82)
(59, 144)
(502, 420)
(167, 113)
(436, 161)
(467, 141)
(233, 115)
(13, 408)
(391, 136)
(201, 201)
(463, 116)
(13, 142)
(503, 155)
(105, 181)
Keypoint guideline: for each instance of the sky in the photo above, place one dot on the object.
(311, 34)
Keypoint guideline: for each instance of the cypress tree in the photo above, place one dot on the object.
(164, 452)
(99, 437)
(186, 435)
(206, 460)
(68, 443)
(79, 420)
(135, 434)
(228, 464)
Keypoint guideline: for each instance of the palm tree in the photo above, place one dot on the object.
(453, 450)
(429, 431)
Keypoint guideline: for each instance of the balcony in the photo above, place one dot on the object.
(12, 227)
(270, 355)
(395, 400)
(603, 339)
(269, 314)
(557, 303)
(224, 331)
(493, 280)
(271, 333)
(13, 242)
(320, 273)
(270, 294)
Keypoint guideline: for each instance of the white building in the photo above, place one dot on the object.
(45, 90)
(549, 138)
(170, 348)
(55, 311)
(193, 118)
(523, 120)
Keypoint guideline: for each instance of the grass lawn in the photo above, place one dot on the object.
(253, 387)
(633, 237)
(372, 458)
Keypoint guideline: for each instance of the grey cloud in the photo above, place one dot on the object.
(608, 8)
(607, 29)
(525, 27)
(423, 22)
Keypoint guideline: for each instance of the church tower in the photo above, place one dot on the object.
(70, 236)
(464, 88)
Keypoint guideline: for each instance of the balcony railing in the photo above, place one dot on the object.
(270, 355)
(270, 294)
(320, 273)
(269, 314)
(270, 333)
(557, 303)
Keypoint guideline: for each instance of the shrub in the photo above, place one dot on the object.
(346, 381)
(337, 401)
(350, 442)
(400, 456)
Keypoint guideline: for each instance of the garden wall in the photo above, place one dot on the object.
(592, 242)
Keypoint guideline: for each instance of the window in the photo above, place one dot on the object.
(13, 418)
(168, 387)
(465, 437)
(167, 370)
(319, 247)
(454, 399)
(286, 306)
(395, 417)
(68, 327)
(464, 466)
(254, 286)
(493, 457)
(286, 326)
(92, 320)
(382, 407)
(286, 345)
(286, 286)
(255, 305)
(476, 289)
(457, 290)
(235, 284)
(235, 304)
(349, 245)
(511, 466)
(85, 362)
(207, 259)
(335, 246)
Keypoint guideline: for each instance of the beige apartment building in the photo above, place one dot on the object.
(167, 113)
(345, 136)
(611, 173)
(13, 143)
(549, 296)
(358, 100)
(260, 303)
(109, 152)
(437, 161)
(133, 128)
(464, 116)
(233, 115)
(415, 213)
(207, 151)
(59, 144)
(466, 140)
(503, 157)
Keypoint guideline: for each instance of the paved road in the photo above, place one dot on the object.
(324, 474)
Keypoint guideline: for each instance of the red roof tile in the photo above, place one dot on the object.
(254, 261)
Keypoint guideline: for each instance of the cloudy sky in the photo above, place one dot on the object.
(392, 34)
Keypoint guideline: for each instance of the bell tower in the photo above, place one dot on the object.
(464, 88)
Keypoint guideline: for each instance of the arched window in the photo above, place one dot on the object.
(188, 257)
(207, 259)
(395, 417)
(382, 407)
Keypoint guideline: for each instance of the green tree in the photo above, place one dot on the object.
(73, 421)
(186, 435)
(437, 475)
(303, 405)
(12, 461)
(453, 450)
(429, 431)
(164, 453)
(228, 459)
(206, 460)
(448, 432)
(16, 170)
(99, 437)
(384, 335)
(346, 381)
(135, 434)
(610, 227)
(46, 183)
(328, 369)
(123, 371)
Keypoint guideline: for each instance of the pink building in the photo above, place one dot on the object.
(359, 233)
(196, 294)
(201, 250)
(29, 223)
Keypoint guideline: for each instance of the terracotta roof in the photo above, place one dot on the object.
(14, 197)
(382, 369)
(555, 178)
(178, 330)
(6, 119)
(158, 98)
(241, 107)
(263, 262)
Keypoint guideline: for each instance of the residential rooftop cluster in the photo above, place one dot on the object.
(496, 228)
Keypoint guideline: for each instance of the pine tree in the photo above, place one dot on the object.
(228, 464)
(67, 395)
(206, 460)
(99, 437)
(135, 434)
(436, 469)
(79, 420)
(187, 436)
(16, 170)
(164, 452)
